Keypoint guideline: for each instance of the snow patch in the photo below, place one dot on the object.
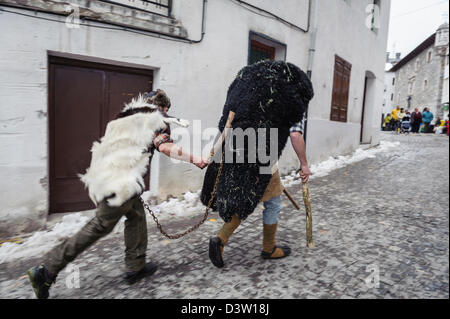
(332, 163)
(42, 241)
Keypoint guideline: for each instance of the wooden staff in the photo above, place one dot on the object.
(223, 135)
(306, 199)
(289, 196)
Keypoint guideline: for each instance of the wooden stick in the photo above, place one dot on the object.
(223, 135)
(306, 199)
(297, 206)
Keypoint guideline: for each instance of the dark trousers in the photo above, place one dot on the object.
(415, 127)
(103, 223)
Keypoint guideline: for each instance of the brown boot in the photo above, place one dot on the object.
(216, 244)
(270, 250)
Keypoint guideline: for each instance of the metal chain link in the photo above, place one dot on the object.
(213, 194)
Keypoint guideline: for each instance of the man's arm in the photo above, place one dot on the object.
(176, 152)
(300, 148)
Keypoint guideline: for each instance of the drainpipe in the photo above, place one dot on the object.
(312, 50)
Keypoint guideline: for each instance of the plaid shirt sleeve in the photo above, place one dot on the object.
(161, 138)
(297, 127)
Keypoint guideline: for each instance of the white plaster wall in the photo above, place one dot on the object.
(366, 51)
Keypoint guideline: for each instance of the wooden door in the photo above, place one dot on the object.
(83, 98)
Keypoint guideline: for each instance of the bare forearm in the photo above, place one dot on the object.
(299, 147)
(176, 152)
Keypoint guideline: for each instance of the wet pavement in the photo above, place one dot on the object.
(381, 229)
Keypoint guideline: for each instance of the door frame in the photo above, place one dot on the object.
(363, 110)
(368, 106)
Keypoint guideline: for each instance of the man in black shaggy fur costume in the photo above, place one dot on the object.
(266, 96)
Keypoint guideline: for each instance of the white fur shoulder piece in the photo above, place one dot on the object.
(138, 102)
(120, 158)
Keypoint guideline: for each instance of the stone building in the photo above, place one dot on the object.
(67, 66)
(445, 90)
(419, 76)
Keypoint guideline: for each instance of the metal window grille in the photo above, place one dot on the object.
(159, 7)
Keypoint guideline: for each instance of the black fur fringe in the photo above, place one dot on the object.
(268, 94)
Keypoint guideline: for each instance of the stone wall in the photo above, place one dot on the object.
(415, 73)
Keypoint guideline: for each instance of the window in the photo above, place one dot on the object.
(417, 65)
(341, 85)
(393, 81)
(260, 52)
(263, 48)
(425, 84)
(392, 97)
(410, 87)
(429, 56)
(162, 7)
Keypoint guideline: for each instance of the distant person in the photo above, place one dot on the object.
(395, 120)
(427, 117)
(387, 122)
(407, 116)
(447, 125)
(439, 126)
(401, 114)
(416, 119)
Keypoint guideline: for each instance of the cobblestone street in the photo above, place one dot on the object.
(388, 214)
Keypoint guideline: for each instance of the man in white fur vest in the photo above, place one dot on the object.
(115, 182)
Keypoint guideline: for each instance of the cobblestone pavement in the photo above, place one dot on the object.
(389, 214)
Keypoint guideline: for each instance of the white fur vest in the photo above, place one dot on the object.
(119, 161)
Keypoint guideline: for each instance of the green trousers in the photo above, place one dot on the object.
(103, 223)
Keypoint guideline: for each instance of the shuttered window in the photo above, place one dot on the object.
(341, 85)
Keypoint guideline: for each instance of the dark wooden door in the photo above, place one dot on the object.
(83, 98)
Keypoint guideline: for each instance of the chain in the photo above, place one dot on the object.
(205, 216)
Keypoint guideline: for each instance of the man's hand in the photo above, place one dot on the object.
(305, 173)
(299, 146)
(201, 162)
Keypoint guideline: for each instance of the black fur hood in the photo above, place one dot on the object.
(265, 95)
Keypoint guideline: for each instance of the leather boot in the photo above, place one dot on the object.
(216, 244)
(270, 250)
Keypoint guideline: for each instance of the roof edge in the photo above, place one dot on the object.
(425, 44)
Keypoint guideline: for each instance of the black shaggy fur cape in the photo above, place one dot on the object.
(268, 94)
